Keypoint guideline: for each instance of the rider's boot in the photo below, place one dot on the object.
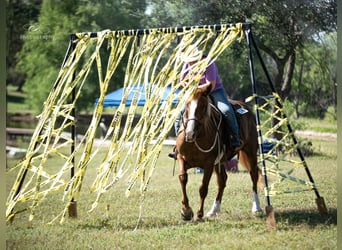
(173, 155)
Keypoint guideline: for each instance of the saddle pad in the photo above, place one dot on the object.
(242, 111)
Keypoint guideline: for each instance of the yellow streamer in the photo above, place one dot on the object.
(154, 60)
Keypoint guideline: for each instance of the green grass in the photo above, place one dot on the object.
(318, 125)
(16, 101)
(299, 225)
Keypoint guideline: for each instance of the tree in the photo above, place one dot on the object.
(45, 46)
(314, 82)
(21, 16)
(294, 23)
(281, 28)
(232, 64)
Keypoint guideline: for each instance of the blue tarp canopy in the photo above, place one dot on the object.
(113, 99)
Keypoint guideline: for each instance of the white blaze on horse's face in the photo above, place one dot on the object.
(190, 126)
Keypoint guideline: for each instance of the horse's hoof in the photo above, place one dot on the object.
(257, 212)
(187, 215)
(256, 209)
(199, 219)
(211, 214)
(216, 208)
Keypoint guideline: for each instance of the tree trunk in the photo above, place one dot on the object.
(298, 95)
(283, 87)
(286, 87)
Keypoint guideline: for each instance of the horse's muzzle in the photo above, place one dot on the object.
(190, 135)
(189, 139)
(190, 130)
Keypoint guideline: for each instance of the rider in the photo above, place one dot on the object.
(213, 83)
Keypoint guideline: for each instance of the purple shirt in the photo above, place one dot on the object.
(210, 74)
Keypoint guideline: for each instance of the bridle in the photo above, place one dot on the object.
(185, 122)
(196, 132)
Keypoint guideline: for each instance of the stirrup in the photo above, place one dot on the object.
(173, 155)
(237, 148)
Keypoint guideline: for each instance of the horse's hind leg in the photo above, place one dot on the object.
(221, 177)
(250, 162)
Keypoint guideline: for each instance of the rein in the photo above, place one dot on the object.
(185, 121)
(216, 137)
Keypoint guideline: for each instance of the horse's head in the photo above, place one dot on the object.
(197, 110)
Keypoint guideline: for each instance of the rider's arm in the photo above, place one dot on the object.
(208, 85)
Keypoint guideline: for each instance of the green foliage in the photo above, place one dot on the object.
(303, 31)
(328, 124)
(170, 14)
(331, 115)
(280, 28)
(290, 112)
(21, 15)
(314, 82)
(318, 125)
(45, 47)
(306, 148)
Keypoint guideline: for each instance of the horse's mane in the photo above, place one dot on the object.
(212, 118)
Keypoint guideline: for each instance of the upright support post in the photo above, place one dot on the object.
(319, 200)
(72, 209)
(270, 218)
(70, 49)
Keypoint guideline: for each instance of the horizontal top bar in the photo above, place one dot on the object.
(137, 32)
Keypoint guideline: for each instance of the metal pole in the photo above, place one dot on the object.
(269, 209)
(69, 50)
(137, 32)
(319, 200)
(72, 209)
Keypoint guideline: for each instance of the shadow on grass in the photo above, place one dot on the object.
(306, 217)
(292, 217)
(129, 224)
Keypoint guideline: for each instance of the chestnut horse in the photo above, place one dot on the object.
(199, 144)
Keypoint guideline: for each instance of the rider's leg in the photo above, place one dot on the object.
(176, 125)
(220, 100)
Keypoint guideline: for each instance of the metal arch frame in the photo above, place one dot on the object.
(217, 28)
(269, 209)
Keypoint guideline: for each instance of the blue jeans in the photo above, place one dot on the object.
(220, 100)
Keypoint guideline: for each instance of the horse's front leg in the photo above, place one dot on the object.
(186, 213)
(221, 178)
(203, 190)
